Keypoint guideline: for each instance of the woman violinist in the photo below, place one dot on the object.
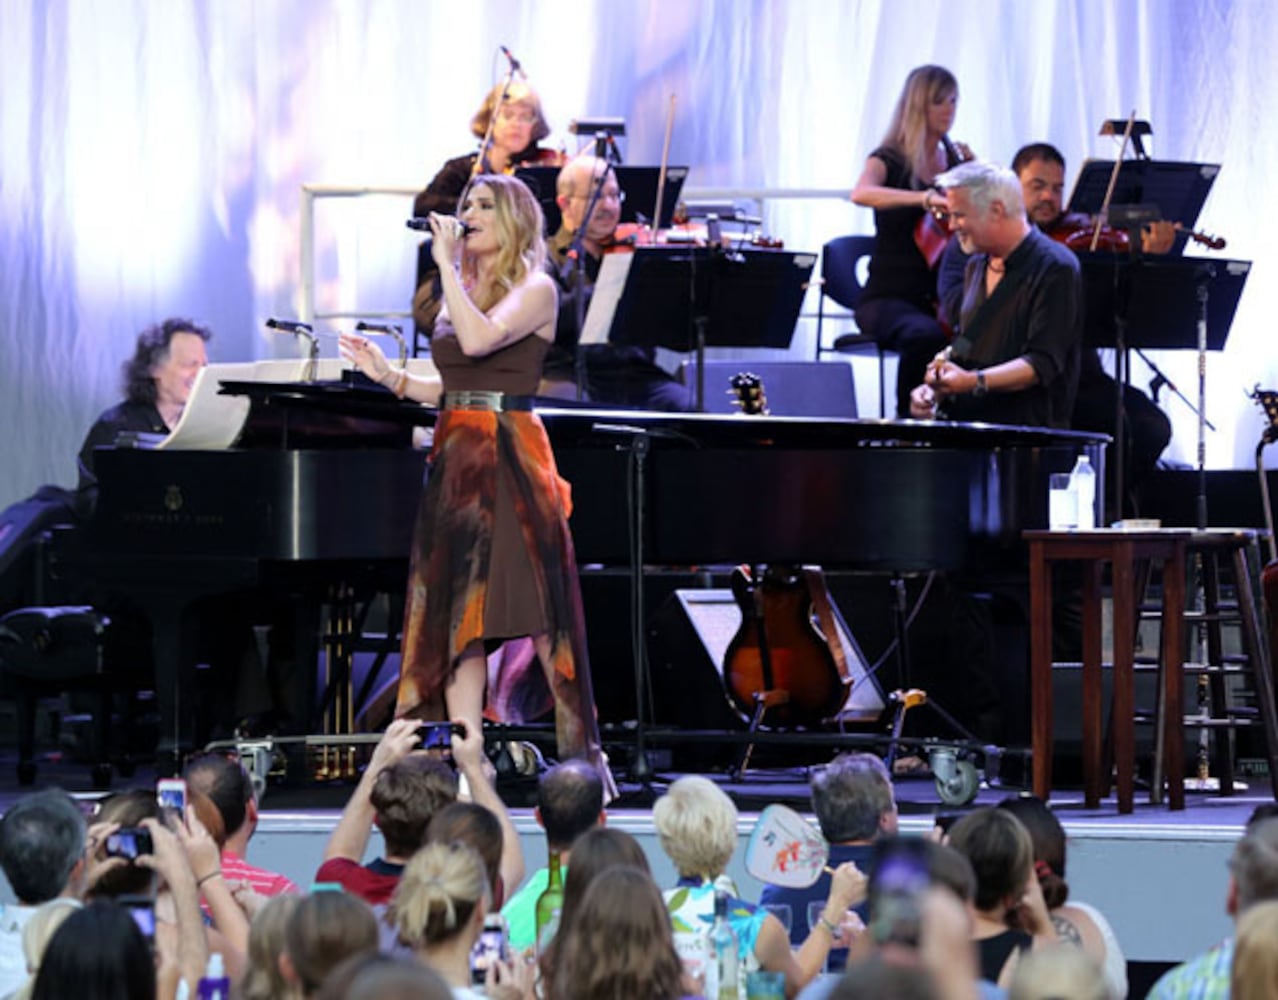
(492, 556)
(898, 306)
(517, 127)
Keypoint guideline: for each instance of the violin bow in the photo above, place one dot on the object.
(1103, 214)
(661, 176)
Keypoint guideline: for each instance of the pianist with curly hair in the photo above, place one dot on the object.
(492, 555)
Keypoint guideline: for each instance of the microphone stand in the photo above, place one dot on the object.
(482, 166)
(1205, 273)
(1160, 379)
(577, 266)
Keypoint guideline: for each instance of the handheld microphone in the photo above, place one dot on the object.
(515, 67)
(422, 224)
(289, 325)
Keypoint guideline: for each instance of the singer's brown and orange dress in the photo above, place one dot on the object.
(492, 554)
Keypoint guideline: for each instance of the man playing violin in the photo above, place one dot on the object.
(614, 376)
(1040, 167)
(1015, 358)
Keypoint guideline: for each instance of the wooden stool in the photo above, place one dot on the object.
(1229, 554)
(1123, 550)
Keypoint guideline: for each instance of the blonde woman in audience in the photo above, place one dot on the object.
(1255, 969)
(438, 911)
(1059, 972)
(263, 978)
(36, 934)
(697, 825)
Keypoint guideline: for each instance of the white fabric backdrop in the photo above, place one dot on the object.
(152, 151)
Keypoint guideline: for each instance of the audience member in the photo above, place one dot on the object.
(1253, 879)
(263, 978)
(46, 854)
(569, 803)
(855, 805)
(480, 828)
(97, 954)
(37, 933)
(697, 825)
(1010, 915)
(1075, 922)
(1060, 972)
(597, 851)
(373, 976)
(1255, 969)
(439, 909)
(225, 785)
(619, 945)
(399, 792)
(323, 929)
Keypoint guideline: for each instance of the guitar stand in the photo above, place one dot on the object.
(763, 700)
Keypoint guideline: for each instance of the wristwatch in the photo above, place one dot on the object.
(980, 388)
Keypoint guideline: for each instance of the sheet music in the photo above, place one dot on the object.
(211, 421)
(610, 283)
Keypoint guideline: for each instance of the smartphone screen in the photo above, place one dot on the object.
(490, 947)
(129, 843)
(142, 909)
(437, 735)
(901, 877)
(170, 793)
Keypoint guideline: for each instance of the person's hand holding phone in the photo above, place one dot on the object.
(202, 853)
(166, 857)
(512, 979)
(468, 752)
(99, 861)
(399, 740)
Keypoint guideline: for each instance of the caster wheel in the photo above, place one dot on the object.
(962, 788)
(26, 773)
(101, 775)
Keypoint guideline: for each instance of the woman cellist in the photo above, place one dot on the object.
(898, 306)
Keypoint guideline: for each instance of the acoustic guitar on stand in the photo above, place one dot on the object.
(786, 659)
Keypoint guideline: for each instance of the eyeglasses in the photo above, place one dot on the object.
(618, 196)
(520, 115)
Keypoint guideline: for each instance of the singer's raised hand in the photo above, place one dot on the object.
(364, 355)
(443, 247)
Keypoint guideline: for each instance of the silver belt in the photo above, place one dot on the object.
(476, 399)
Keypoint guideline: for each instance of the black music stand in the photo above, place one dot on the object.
(689, 298)
(1167, 303)
(638, 183)
(1179, 189)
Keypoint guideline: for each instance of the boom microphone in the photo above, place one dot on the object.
(289, 325)
(515, 67)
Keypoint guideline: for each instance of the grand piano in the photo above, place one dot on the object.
(324, 487)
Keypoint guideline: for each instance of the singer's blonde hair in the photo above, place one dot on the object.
(520, 225)
(437, 896)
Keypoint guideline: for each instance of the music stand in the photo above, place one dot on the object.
(1178, 189)
(689, 298)
(1166, 303)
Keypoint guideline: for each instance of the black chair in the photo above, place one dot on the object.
(840, 260)
(46, 652)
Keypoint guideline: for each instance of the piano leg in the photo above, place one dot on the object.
(173, 644)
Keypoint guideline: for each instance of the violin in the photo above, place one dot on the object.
(1078, 237)
(932, 231)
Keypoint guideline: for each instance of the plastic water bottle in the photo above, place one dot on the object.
(1082, 483)
(214, 984)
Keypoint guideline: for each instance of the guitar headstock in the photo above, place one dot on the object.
(1268, 400)
(749, 392)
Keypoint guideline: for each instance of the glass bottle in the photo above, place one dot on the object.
(549, 903)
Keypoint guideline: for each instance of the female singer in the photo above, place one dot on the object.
(492, 556)
(519, 126)
(898, 306)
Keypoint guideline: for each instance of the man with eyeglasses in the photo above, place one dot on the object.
(614, 376)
